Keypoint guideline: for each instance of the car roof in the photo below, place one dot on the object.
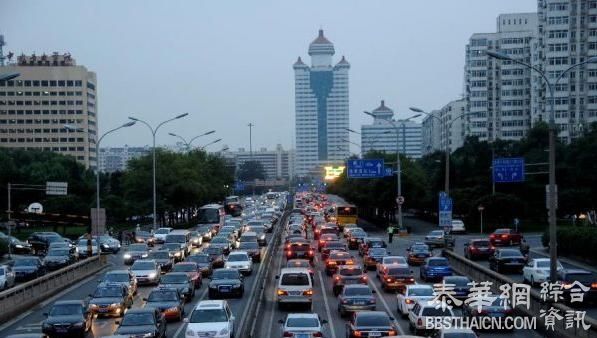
(113, 272)
(139, 310)
(294, 270)
(210, 304)
(67, 302)
(302, 315)
(238, 252)
(370, 313)
(576, 271)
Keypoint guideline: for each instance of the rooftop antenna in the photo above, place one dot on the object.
(2, 44)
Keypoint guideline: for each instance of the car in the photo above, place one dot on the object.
(27, 268)
(335, 259)
(169, 301)
(19, 247)
(196, 239)
(67, 318)
(294, 287)
(301, 263)
(58, 258)
(205, 231)
(260, 232)
(144, 237)
(371, 242)
(331, 245)
(457, 226)
(146, 322)
(438, 238)
(395, 277)
(478, 248)
(537, 270)
(193, 270)
(434, 268)
(373, 256)
(505, 236)
(492, 306)
(507, 260)
(146, 272)
(578, 281)
(181, 282)
(182, 238)
(72, 249)
(418, 252)
(83, 247)
(162, 258)
(371, 324)
(421, 310)
(302, 325)
(226, 282)
(454, 332)
(389, 260)
(122, 277)
(160, 234)
(300, 249)
(326, 238)
(40, 241)
(253, 249)
(203, 262)
(110, 300)
(460, 285)
(412, 294)
(216, 255)
(134, 252)
(240, 260)
(221, 242)
(7, 277)
(247, 236)
(356, 297)
(328, 228)
(211, 318)
(109, 244)
(348, 228)
(348, 275)
(355, 238)
(177, 253)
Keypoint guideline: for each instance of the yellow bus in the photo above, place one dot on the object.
(345, 214)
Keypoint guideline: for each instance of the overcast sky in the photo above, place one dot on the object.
(228, 63)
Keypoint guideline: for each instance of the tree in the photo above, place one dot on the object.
(251, 170)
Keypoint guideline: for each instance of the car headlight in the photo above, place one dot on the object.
(105, 246)
(152, 275)
(18, 246)
(224, 331)
(144, 255)
(127, 256)
(115, 305)
(148, 335)
(78, 325)
(237, 286)
(177, 254)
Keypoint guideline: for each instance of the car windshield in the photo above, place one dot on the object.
(199, 258)
(350, 271)
(163, 296)
(420, 249)
(171, 246)
(399, 271)
(26, 262)
(481, 243)
(66, 310)
(58, 253)
(584, 278)
(237, 258)
(458, 281)
(290, 279)
(143, 266)
(213, 251)
(137, 247)
(298, 264)
(137, 319)
(219, 240)
(117, 277)
(502, 231)
(174, 279)
(437, 262)
(142, 234)
(302, 322)
(103, 292)
(176, 239)
(225, 274)
(510, 253)
(83, 242)
(249, 245)
(334, 245)
(360, 291)
(159, 255)
(436, 233)
(162, 231)
(339, 255)
(394, 260)
(208, 316)
(184, 268)
(439, 312)
(377, 251)
(372, 320)
(421, 292)
(208, 215)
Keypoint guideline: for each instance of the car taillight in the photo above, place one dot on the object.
(311, 252)
(349, 263)
(364, 278)
(321, 242)
(331, 263)
(317, 334)
(504, 236)
(392, 333)
(409, 301)
(287, 334)
(357, 334)
(308, 292)
(317, 231)
(509, 311)
(492, 247)
(388, 279)
(282, 292)
(492, 236)
(411, 279)
(594, 285)
(337, 278)
(419, 321)
(481, 312)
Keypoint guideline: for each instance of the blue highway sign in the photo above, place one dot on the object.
(389, 171)
(369, 168)
(445, 210)
(508, 170)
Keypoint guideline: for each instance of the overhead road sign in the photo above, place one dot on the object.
(508, 170)
(445, 210)
(367, 168)
(56, 188)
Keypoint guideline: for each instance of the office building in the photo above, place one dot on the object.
(277, 163)
(381, 134)
(446, 127)
(113, 159)
(52, 91)
(321, 109)
(499, 93)
(430, 129)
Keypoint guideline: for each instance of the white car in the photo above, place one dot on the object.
(146, 271)
(7, 277)
(82, 247)
(302, 325)
(537, 270)
(423, 309)
(452, 332)
(160, 234)
(390, 260)
(457, 226)
(211, 318)
(241, 261)
(415, 293)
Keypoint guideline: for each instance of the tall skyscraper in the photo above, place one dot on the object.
(321, 109)
(52, 91)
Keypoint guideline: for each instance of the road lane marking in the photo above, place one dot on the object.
(188, 315)
(327, 305)
(386, 306)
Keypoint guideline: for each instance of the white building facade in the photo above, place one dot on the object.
(321, 109)
(277, 163)
(113, 159)
(381, 134)
(430, 129)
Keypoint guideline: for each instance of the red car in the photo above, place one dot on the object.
(193, 271)
(505, 237)
(325, 238)
(299, 249)
(478, 248)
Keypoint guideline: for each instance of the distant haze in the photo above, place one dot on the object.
(228, 63)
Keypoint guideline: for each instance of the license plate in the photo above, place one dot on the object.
(225, 289)
(302, 335)
(61, 330)
(421, 256)
(300, 254)
(496, 315)
(359, 302)
(350, 281)
(374, 334)
(294, 293)
(103, 310)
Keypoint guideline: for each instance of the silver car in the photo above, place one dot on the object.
(146, 271)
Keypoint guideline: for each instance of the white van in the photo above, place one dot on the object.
(295, 286)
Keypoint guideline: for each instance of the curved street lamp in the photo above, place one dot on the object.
(188, 144)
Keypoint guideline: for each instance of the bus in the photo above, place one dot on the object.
(345, 214)
(213, 215)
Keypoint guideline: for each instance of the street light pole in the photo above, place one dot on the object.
(210, 143)
(190, 142)
(553, 254)
(153, 133)
(481, 208)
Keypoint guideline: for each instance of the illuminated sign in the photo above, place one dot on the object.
(331, 173)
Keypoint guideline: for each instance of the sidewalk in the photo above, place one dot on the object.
(541, 252)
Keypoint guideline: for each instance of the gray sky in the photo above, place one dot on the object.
(228, 63)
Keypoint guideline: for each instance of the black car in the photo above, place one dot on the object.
(356, 297)
(67, 318)
(168, 301)
(216, 255)
(355, 239)
(370, 324)
(142, 323)
(110, 300)
(28, 268)
(507, 259)
(144, 237)
(203, 261)
(253, 249)
(221, 242)
(162, 258)
(19, 247)
(175, 251)
(123, 277)
(41, 240)
(179, 281)
(58, 258)
(134, 252)
(205, 231)
(576, 281)
(226, 282)
(460, 284)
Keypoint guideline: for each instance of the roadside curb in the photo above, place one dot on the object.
(539, 251)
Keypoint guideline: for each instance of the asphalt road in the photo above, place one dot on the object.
(31, 321)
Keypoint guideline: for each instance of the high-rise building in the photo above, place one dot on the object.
(321, 109)
(430, 129)
(52, 91)
(381, 134)
(445, 128)
(113, 159)
(567, 35)
(277, 163)
(499, 93)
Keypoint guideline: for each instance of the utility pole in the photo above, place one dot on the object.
(9, 212)
(250, 125)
